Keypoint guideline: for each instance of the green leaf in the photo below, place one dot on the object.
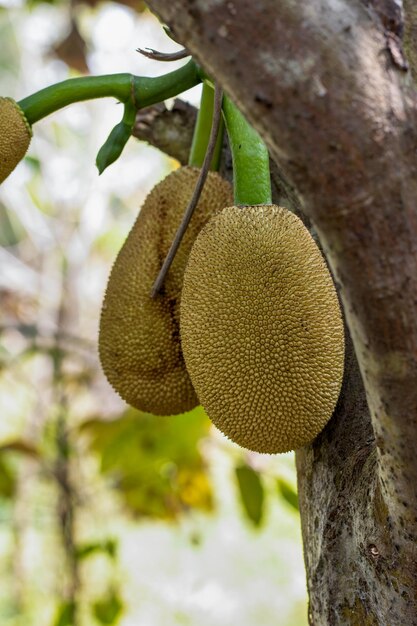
(21, 447)
(7, 475)
(30, 331)
(108, 610)
(113, 146)
(7, 480)
(11, 229)
(34, 163)
(251, 493)
(65, 615)
(155, 463)
(287, 493)
(118, 138)
(108, 547)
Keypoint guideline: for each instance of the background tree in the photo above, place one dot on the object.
(329, 85)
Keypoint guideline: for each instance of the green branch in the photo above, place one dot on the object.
(251, 177)
(142, 91)
(202, 131)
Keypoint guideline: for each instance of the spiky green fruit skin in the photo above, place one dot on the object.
(261, 329)
(15, 136)
(139, 340)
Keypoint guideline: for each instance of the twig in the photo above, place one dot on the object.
(155, 55)
(218, 97)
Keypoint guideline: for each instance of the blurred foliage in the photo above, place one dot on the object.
(109, 547)
(9, 57)
(155, 462)
(20, 446)
(65, 614)
(251, 492)
(11, 229)
(108, 609)
(138, 5)
(8, 472)
(7, 480)
(73, 50)
(288, 493)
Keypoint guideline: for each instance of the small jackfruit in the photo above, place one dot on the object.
(139, 341)
(15, 136)
(261, 329)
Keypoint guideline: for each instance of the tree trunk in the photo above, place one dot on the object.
(328, 85)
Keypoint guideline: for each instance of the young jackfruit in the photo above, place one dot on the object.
(15, 136)
(139, 341)
(261, 328)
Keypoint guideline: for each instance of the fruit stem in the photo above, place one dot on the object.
(217, 113)
(142, 91)
(202, 131)
(251, 178)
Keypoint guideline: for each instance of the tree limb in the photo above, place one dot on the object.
(169, 130)
(321, 87)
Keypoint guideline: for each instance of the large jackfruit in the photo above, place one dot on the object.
(139, 341)
(15, 136)
(261, 328)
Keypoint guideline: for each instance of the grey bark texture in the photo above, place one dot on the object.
(170, 130)
(326, 84)
(410, 35)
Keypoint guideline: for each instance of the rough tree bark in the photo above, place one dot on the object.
(326, 84)
(170, 130)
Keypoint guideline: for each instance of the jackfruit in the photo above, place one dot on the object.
(261, 328)
(139, 341)
(15, 136)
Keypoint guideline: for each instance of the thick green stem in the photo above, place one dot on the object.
(148, 91)
(142, 91)
(202, 131)
(251, 178)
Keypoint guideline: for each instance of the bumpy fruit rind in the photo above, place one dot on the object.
(139, 341)
(261, 329)
(15, 136)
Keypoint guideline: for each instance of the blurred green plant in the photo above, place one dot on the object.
(7, 480)
(287, 492)
(108, 609)
(251, 493)
(108, 547)
(65, 614)
(155, 463)
(8, 469)
(11, 228)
